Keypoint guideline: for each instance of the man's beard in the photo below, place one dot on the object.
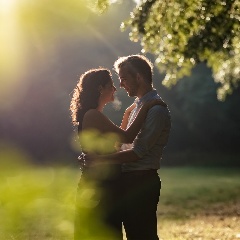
(132, 93)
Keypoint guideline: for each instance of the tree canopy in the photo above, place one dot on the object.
(46, 48)
(182, 33)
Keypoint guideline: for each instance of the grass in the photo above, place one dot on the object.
(199, 203)
(195, 203)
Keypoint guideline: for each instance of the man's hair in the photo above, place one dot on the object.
(136, 64)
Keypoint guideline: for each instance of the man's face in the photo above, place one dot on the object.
(128, 81)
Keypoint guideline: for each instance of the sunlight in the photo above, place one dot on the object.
(7, 5)
(8, 32)
(11, 47)
(137, 1)
(9, 21)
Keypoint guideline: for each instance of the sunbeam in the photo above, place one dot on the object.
(11, 57)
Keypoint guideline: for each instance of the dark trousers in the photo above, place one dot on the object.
(140, 197)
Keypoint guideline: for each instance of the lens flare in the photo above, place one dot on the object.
(11, 62)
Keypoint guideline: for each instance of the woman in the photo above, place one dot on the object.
(98, 214)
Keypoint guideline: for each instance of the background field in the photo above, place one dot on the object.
(196, 203)
(44, 48)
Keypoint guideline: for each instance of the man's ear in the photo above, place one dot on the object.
(100, 89)
(139, 77)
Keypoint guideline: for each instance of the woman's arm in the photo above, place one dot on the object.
(94, 119)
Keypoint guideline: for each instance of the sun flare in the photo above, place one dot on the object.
(11, 48)
(8, 32)
(6, 6)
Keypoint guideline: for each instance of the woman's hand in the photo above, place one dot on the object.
(126, 115)
(130, 108)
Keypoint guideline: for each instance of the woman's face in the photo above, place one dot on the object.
(107, 92)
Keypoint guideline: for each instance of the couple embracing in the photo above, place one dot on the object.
(123, 185)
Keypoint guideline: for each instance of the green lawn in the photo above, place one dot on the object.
(195, 203)
(200, 203)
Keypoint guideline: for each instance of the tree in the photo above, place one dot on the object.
(182, 33)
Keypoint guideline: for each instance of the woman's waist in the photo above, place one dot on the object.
(102, 172)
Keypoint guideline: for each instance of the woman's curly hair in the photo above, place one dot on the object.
(87, 92)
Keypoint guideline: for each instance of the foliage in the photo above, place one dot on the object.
(39, 203)
(58, 41)
(182, 33)
(36, 203)
(95, 141)
(201, 114)
(201, 125)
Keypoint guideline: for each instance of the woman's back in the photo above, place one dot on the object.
(96, 139)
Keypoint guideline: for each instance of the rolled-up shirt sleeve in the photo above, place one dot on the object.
(151, 130)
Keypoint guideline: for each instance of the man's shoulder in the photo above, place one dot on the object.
(157, 113)
(159, 109)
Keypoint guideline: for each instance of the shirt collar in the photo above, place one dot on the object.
(149, 95)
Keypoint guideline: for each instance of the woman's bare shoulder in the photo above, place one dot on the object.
(90, 117)
(95, 119)
(91, 112)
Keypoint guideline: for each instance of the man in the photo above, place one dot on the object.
(141, 160)
(140, 183)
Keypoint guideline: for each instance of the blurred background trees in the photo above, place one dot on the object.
(44, 49)
(182, 33)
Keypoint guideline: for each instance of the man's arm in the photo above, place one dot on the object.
(118, 158)
(145, 140)
(155, 124)
(115, 158)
